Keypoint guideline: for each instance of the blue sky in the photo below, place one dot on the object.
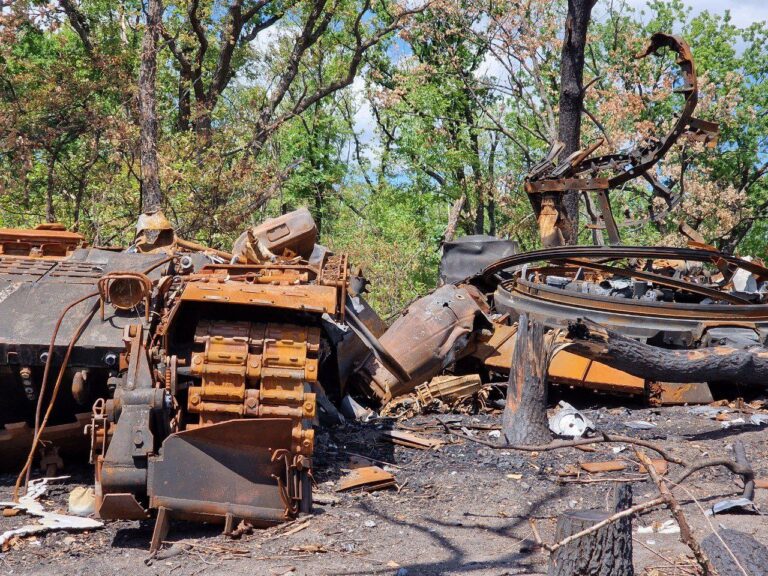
(743, 12)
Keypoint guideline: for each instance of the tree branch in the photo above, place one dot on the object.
(80, 23)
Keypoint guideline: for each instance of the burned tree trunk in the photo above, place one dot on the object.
(719, 363)
(525, 414)
(152, 197)
(571, 105)
(605, 552)
(453, 218)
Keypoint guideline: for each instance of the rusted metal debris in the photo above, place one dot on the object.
(551, 178)
(47, 241)
(410, 440)
(667, 297)
(369, 478)
(449, 390)
(427, 337)
(446, 393)
(671, 298)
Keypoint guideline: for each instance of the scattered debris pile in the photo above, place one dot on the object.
(29, 504)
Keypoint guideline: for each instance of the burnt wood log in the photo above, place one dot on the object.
(718, 363)
(525, 414)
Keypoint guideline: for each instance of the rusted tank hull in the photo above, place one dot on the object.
(45, 295)
(202, 374)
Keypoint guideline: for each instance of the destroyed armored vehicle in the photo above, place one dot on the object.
(670, 298)
(196, 371)
(664, 297)
(52, 336)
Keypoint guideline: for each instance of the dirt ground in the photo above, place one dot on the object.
(461, 509)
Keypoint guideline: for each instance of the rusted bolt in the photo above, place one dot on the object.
(195, 399)
(251, 403)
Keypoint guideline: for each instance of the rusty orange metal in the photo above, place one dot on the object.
(46, 241)
(370, 478)
(256, 370)
(565, 368)
(431, 334)
(608, 466)
(671, 393)
(551, 178)
(318, 299)
(572, 370)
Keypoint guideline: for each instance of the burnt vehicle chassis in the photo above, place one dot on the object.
(652, 298)
(663, 297)
(195, 373)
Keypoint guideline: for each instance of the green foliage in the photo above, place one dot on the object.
(449, 126)
(396, 242)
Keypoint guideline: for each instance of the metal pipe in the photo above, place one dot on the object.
(366, 335)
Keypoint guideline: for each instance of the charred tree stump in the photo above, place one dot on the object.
(622, 500)
(525, 414)
(734, 553)
(604, 552)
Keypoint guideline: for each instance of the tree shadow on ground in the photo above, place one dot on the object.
(459, 560)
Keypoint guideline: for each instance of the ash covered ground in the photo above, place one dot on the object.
(461, 509)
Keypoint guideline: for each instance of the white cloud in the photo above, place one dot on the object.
(364, 122)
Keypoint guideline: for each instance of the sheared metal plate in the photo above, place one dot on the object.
(318, 299)
(468, 255)
(41, 291)
(368, 477)
(228, 470)
(670, 393)
(567, 368)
